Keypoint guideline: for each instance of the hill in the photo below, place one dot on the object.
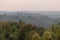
(35, 18)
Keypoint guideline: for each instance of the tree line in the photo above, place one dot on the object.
(22, 31)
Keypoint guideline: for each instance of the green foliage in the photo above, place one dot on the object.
(23, 31)
(47, 35)
(40, 30)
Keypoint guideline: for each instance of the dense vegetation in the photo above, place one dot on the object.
(22, 31)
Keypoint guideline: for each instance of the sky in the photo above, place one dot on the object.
(29, 5)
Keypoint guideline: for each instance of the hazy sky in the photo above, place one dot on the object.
(30, 5)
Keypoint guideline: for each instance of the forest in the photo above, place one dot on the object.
(23, 31)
